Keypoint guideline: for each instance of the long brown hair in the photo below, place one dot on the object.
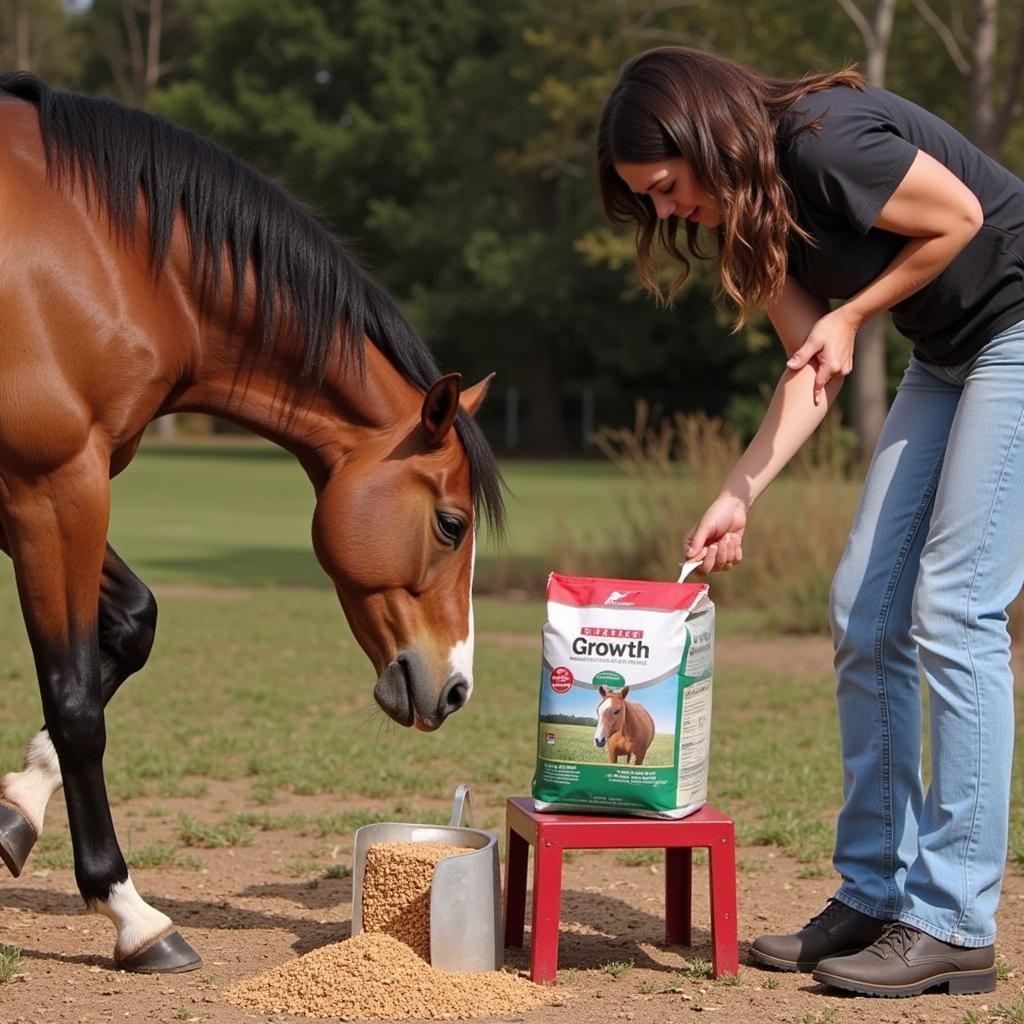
(724, 119)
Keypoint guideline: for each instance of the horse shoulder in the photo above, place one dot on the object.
(643, 723)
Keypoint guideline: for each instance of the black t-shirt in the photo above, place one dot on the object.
(841, 178)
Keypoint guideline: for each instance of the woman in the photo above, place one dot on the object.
(825, 189)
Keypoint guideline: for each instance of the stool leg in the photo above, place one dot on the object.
(678, 892)
(518, 851)
(722, 872)
(547, 905)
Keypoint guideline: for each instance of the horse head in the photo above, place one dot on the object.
(610, 714)
(394, 529)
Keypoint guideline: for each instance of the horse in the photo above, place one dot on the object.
(145, 271)
(624, 726)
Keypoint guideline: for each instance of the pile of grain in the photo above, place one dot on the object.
(384, 973)
(396, 890)
(373, 976)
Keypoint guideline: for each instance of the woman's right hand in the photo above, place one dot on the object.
(718, 537)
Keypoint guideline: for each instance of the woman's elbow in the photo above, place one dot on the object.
(973, 216)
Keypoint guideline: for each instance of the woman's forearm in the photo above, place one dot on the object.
(921, 260)
(790, 420)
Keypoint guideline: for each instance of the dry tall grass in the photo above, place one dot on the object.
(795, 534)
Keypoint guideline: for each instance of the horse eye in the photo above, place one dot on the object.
(451, 527)
(618, 710)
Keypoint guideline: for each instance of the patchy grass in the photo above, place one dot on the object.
(303, 868)
(617, 968)
(1013, 1013)
(10, 962)
(640, 858)
(53, 851)
(223, 834)
(696, 969)
(161, 855)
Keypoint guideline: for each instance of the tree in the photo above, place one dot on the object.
(132, 46)
(974, 51)
(869, 403)
(34, 36)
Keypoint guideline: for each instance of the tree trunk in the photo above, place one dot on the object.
(545, 430)
(870, 396)
(22, 37)
(983, 70)
(166, 427)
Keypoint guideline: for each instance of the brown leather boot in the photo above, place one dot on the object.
(837, 931)
(907, 962)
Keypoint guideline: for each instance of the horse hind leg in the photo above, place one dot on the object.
(127, 626)
(57, 541)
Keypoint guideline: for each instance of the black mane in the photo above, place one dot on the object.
(300, 268)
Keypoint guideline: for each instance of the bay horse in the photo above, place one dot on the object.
(623, 726)
(145, 271)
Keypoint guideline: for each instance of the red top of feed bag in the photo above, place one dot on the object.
(588, 591)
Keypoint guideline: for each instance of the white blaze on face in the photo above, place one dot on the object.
(136, 921)
(460, 657)
(30, 790)
(602, 708)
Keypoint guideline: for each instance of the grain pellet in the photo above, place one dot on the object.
(396, 890)
(374, 976)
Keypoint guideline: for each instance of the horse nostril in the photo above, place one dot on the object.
(453, 696)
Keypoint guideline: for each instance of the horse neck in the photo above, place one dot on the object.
(627, 717)
(319, 426)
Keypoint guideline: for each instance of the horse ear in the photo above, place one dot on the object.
(624, 691)
(472, 398)
(441, 406)
(601, 690)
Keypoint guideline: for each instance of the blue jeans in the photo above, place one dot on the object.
(935, 555)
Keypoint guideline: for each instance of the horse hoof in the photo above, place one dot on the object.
(17, 837)
(170, 954)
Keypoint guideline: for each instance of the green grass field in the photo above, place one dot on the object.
(576, 743)
(255, 676)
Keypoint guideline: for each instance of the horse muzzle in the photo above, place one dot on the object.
(406, 694)
(600, 742)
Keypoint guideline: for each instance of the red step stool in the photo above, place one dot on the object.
(550, 834)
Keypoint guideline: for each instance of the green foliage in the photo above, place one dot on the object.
(453, 142)
(10, 962)
(617, 968)
(228, 833)
(161, 855)
(639, 858)
(696, 969)
(1012, 1012)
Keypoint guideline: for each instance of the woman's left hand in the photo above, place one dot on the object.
(828, 348)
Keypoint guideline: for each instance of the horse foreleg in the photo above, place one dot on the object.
(57, 537)
(127, 625)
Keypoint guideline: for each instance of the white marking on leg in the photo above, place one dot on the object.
(30, 790)
(601, 709)
(460, 657)
(136, 921)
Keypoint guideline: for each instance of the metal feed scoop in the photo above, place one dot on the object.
(465, 896)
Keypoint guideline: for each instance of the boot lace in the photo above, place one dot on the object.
(833, 909)
(897, 938)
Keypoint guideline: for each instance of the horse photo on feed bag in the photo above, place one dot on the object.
(146, 272)
(624, 727)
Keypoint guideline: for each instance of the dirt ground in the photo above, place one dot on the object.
(245, 913)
